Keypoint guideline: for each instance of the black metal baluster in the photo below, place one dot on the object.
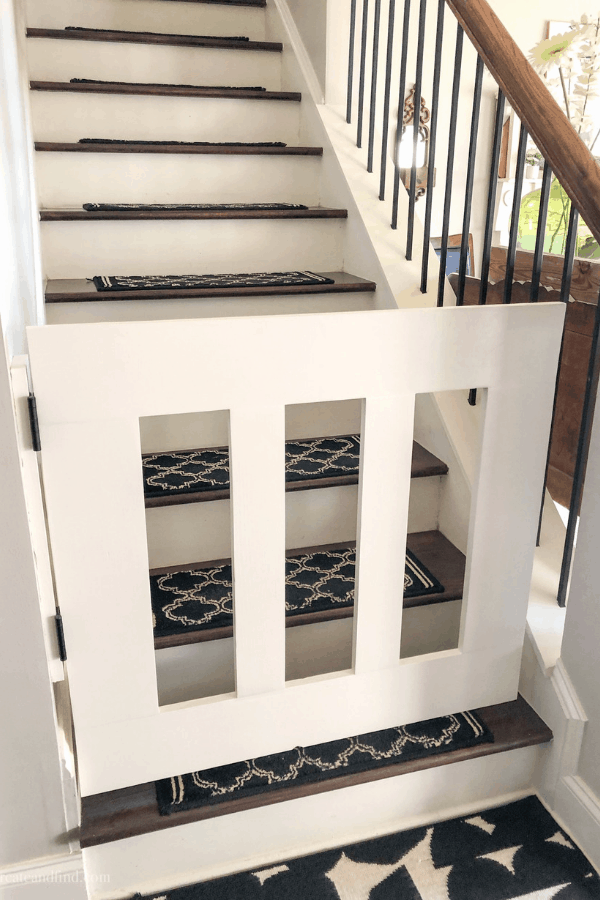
(464, 243)
(435, 96)
(491, 201)
(386, 99)
(538, 255)
(401, 92)
(351, 62)
(564, 296)
(374, 70)
(412, 190)
(570, 243)
(362, 73)
(587, 418)
(450, 164)
(514, 224)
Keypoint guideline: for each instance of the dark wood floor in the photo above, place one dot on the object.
(133, 811)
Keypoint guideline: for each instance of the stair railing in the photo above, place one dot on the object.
(565, 155)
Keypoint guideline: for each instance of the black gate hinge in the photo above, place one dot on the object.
(33, 423)
(60, 635)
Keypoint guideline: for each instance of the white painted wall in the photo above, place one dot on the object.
(21, 297)
(32, 820)
(581, 643)
(310, 17)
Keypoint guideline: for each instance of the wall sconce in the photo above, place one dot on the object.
(405, 144)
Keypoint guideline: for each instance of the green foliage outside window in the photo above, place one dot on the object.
(557, 224)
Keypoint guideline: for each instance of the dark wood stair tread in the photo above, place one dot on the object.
(146, 37)
(424, 464)
(132, 811)
(163, 90)
(83, 215)
(208, 150)
(80, 290)
(431, 548)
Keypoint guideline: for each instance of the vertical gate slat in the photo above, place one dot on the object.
(257, 441)
(386, 452)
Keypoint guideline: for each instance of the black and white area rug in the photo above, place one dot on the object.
(207, 37)
(160, 84)
(200, 599)
(148, 207)
(185, 282)
(206, 470)
(321, 762)
(182, 143)
(513, 852)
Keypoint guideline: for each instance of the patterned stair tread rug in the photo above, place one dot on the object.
(207, 470)
(130, 141)
(320, 762)
(126, 207)
(512, 852)
(207, 37)
(200, 598)
(159, 84)
(187, 282)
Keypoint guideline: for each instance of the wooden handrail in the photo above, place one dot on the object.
(568, 156)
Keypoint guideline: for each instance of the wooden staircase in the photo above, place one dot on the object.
(148, 99)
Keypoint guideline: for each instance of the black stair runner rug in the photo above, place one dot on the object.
(140, 207)
(185, 282)
(183, 143)
(208, 37)
(512, 852)
(152, 84)
(200, 598)
(320, 762)
(206, 470)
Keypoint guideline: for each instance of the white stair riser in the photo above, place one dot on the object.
(70, 179)
(65, 116)
(207, 669)
(197, 247)
(145, 310)
(149, 15)
(52, 59)
(197, 532)
(254, 839)
(211, 429)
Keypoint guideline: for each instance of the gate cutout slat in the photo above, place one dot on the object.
(257, 444)
(384, 493)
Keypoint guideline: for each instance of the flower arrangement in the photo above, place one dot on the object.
(570, 63)
(570, 66)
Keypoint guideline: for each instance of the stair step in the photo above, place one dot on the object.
(259, 3)
(133, 15)
(147, 37)
(79, 290)
(72, 215)
(423, 464)
(132, 811)
(224, 150)
(163, 90)
(443, 560)
(62, 116)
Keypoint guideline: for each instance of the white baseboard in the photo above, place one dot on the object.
(577, 808)
(51, 878)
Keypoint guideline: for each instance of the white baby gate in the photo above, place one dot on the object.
(94, 382)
